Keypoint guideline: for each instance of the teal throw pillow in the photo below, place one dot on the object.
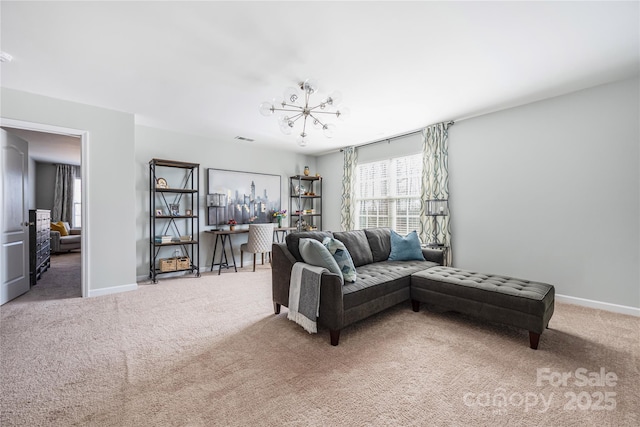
(313, 252)
(405, 248)
(342, 257)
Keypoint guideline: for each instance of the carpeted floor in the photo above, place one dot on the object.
(208, 351)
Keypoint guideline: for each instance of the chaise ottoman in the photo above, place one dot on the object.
(501, 299)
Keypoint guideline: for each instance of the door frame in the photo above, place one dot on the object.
(84, 175)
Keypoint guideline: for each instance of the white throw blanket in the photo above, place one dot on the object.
(304, 295)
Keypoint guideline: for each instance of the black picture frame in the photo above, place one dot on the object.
(251, 197)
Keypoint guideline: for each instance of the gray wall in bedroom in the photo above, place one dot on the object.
(548, 191)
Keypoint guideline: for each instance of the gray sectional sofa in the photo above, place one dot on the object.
(382, 284)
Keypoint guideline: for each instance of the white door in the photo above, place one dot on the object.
(14, 259)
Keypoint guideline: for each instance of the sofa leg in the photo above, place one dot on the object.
(276, 308)
(415, 305)
(335, 336)
(534, 339)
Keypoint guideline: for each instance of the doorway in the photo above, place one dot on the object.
(53, 144)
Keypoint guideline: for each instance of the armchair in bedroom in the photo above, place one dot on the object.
(64, 238)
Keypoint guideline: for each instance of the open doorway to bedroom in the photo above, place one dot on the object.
(56, 172)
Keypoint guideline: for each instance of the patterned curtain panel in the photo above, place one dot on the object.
(435, 186)
(347, 207)
(63, 193)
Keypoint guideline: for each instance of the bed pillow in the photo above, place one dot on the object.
(313, 252)
(340, 253)
(405, 248)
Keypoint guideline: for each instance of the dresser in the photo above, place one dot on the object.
(39, 247)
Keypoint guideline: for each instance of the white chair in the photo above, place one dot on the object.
(259, 242)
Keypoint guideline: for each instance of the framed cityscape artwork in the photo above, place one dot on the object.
(247, 197)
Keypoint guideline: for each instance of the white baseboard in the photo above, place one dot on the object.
(623, 309)
(112, 290)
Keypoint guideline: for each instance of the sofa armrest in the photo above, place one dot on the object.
(331, 305)
(433, 255)
(75, 231)
(55, 241)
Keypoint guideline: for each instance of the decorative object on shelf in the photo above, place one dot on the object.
(188, 212)
(297, 107)
(174, 209)
(282, 213)
(159, 212)
(161, 183)
(317, 175)
(436, 208)
(232, 224)
(306, 171)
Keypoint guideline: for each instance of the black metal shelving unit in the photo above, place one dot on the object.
(305, 209)
(181, 223)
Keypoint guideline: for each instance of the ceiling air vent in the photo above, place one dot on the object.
(242, 138)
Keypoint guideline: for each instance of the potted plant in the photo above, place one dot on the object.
(232, 224)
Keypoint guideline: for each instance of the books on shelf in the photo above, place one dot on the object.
(163, 239)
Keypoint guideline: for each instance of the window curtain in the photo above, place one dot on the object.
(347, 206)
(435, 186)
(63, 193)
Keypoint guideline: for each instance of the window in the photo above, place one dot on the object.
(388, 194)
(77, 203)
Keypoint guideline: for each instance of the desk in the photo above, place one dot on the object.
(224, 237)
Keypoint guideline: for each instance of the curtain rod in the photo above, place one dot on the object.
(402, 135)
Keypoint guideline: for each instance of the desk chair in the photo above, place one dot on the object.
(259, 242)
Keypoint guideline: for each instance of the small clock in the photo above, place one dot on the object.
(161, 183)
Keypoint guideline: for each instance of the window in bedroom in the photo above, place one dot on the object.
(388, 194)
(77, 203)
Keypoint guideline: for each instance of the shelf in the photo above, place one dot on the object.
(181, 199)
(307, 178)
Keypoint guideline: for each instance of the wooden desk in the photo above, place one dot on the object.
(224, 237)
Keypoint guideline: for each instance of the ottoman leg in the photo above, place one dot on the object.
(415, 305)
(534, 339)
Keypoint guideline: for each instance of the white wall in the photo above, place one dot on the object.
(110, 172)
(548, 191)
(209, 153)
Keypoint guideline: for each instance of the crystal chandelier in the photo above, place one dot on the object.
(296, 105)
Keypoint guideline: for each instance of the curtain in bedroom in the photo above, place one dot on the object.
(435, 185)
(347, 206)
(63, 193)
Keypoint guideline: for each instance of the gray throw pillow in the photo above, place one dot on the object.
(315, 253)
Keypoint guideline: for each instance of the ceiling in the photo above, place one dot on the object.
(203, 68)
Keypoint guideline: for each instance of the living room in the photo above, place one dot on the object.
(543, 186)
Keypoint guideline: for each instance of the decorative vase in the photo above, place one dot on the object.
(232, 227)
(306, 171)
(279, 222)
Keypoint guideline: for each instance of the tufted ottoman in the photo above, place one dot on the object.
(500, 299)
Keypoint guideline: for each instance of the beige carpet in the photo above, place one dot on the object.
(208, 351)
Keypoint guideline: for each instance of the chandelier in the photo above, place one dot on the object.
(296, 107)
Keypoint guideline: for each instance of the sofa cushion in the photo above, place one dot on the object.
(379, 242)
(315, 253)
(405, 248)
(293, 240)
(340, 253)
(357, 244)
(381, 278)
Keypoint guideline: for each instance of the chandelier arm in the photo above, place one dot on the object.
(295, 118)
(319, 105)
(299, 111)
(316, 119)
(324, 112)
